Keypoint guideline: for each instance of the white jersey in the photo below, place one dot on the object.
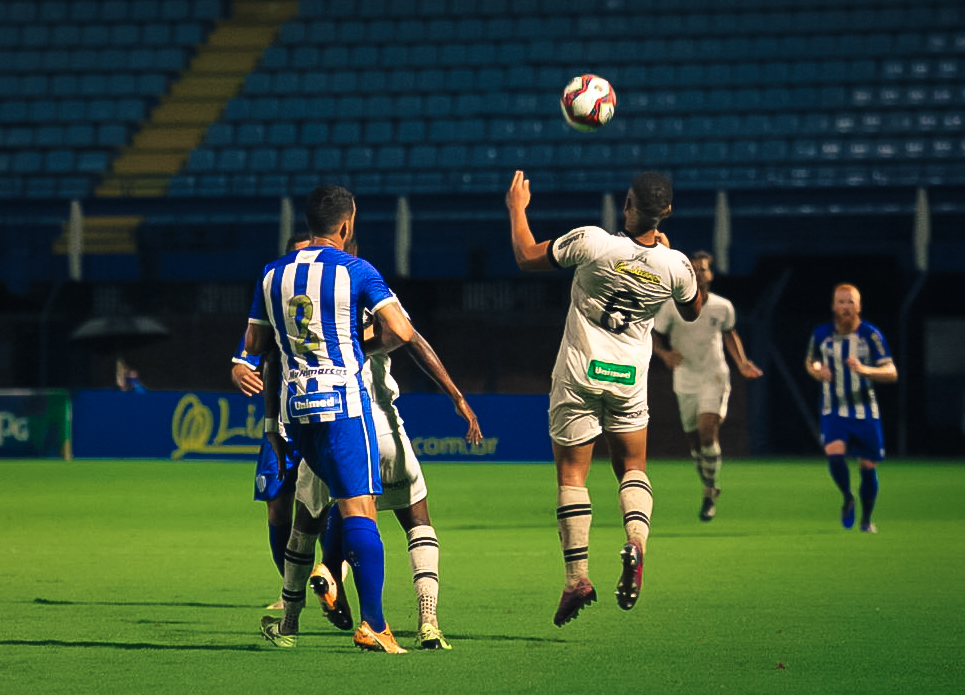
(700, 343)
(618, 287)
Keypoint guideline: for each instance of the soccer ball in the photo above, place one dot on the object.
(588, 102)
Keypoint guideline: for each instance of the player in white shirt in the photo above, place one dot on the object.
(404, 492)
(701, 379)
(600, 379)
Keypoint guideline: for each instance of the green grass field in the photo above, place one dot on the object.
(151, 577)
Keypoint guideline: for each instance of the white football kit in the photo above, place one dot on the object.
(600, 377)
(402, 481)
(702, 380)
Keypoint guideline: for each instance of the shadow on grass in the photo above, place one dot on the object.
(133, 645)
(184, 604)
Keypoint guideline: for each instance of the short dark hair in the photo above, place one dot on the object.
(702, 256)
(654, 195)
(326, 208)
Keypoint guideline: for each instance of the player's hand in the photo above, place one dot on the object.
(661, 238)
(751, 370)
(474, 435)
(855, 366)
(518, 197)
(821, 371)
(280, 447)
(246, 380)
(672, 358)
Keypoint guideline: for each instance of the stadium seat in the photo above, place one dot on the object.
(263, 159)
(232, 159)
(295, 159)
(250, 134)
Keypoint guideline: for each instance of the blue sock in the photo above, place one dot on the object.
(278, 541)
(366, 554)
(333, 554)
(838, 466)
(868, 491)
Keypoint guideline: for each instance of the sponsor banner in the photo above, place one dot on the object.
(34, 424)
(167, 424)
(178, 425)
(514, 428)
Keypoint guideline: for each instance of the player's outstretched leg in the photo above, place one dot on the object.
(573, 518)
(709, 470)
(636, 503)
(838, 467)
(868, 492)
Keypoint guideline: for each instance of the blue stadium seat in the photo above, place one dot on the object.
(391, 157)
(201, 159)
(18, 137)
(156, 34)
(283, 132)
(81, 11)
(93, 162)
(378, 132)
(423, 156)
(359, 158)
(265, 108)
(79, 135)
(232, 159)
(305, 57)
(295, 159)
(26, 162)
(65, 36)
(263, 159)
(250, 134)
(327, 159)
(175, 10)
(346, 133)
(111, 135)
(411, 131)
(114, 11)
(219, 135)
(257, 83)
(49, 136)
(73, 187)
(238, 109)
(314, 133)
(212, 185)
(273, 185)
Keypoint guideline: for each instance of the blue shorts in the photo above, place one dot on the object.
(344, 453)
(863, 438)
(267, 485)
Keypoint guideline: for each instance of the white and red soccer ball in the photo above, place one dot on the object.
(588, 102)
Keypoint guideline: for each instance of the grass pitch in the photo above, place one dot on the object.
(151, 577)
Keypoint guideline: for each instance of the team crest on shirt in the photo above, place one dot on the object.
(638, 272)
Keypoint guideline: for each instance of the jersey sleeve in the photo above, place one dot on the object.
(259, 308)
(880, 352)
(684, 282)
(241, 356)
(812, 354)
(577, 246)
(730, 317)
(374, 293)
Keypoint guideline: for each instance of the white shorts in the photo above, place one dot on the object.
(402, 481)
(579, 414)
(712, 398)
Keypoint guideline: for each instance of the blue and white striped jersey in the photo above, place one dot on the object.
(313, 299)
(848, 394)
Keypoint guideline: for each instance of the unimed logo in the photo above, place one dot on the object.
(14, 427)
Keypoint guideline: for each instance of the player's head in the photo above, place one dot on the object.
(846, 301)
(330, 212)
(649, 201)
(298, 240)
(703, 262)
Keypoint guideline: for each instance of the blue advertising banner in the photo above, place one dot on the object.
(34, 424)
(178, 425)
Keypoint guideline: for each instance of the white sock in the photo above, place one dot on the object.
(573, 518)
(299, 560)
(424, 560)
(636, 503)
(709, 466)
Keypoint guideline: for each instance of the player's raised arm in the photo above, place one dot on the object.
(529, 254)
(390, 329)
